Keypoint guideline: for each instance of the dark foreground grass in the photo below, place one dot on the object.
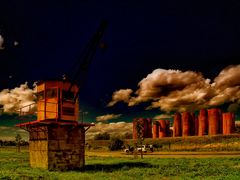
(16, 166)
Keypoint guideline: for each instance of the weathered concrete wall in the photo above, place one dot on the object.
(58, 147)
(38, 152)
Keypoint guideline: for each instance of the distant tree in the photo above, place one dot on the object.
(115, 144)
(18, 139)
(140, 131)
(102, 136)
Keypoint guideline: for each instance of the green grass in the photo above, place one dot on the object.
(16, 166)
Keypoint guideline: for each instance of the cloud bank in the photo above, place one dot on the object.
(119, 128)
(175, 90)
(108, 117)
(13, 99)
(120, 95)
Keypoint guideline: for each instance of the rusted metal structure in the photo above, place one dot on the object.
(213, 121)
(177, 125)
(56, 138)
(203, 122)
(146, 123)
(192, 123)
(186, 125)
(196, 126)
(220, 129)
(149, 128)
(163, 128)
(155, 130)
(228, 123)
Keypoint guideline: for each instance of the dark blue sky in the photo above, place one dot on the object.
(141, 36)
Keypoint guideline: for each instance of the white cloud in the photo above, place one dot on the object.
(108, 117)
(175, 90)
(12, 100)
(118, 128)
(120, 95)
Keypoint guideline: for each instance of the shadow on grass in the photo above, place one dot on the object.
(115, 167)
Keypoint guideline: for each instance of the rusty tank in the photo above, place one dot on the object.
(177, 125)
(228, 123)
(213, 121)
(202, 122)
(186, 124)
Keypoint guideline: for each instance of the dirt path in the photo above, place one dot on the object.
(168, 154)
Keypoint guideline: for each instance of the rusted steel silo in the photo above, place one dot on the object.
(167, 127)
(155, 130)
(213, 121)
(177, 125)
(220, 127)
(228, 123)
(162, 128)
(145, 127)
(144, 123)
(149, 129)
(192, 123)
(196, 125)
(202, 122)
(186, 123)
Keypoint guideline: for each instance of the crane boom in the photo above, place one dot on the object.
(87, 56)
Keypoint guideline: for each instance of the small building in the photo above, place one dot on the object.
(56, 138)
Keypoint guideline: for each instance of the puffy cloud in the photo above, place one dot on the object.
(12, 100)
(1, 42)
(120, 95)
(227, 86)
(108, 117)
(175, 90)
(118, 128)
(228, 77)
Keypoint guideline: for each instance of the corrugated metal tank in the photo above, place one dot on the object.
(192, 123)
(177, 125)
(155, 130)
(146, 127)
(220, 128)
(186, 123)
(149, 129)
(168, 127)
(228, 123)
(196, 125)
(213, 121)
(203, 122)
(163, 128)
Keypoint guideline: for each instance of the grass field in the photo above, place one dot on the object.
(16, 166)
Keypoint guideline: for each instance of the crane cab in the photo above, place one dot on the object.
(56, 101)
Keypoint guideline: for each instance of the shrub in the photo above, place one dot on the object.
(102, 136)
(115, 144)
(127, 135)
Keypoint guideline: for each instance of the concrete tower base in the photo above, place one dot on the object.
(57, 147)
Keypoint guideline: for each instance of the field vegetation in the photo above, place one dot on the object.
(16, 166)
(191, 143)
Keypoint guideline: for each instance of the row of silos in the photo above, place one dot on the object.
(146, 124)
(208, 122)
(160, 129)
